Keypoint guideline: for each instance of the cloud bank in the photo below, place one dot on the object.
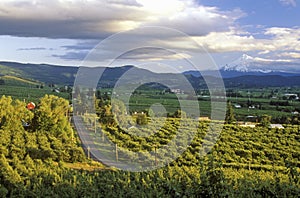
(91, 19)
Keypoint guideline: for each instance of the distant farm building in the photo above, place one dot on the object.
(238, 106)
(247, 124)
(276, 126)
(251, 107)
(177, 91)
(204, 118)
(291, 96)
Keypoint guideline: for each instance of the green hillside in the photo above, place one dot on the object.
(40, 72)
(27, 90)
(6, 70)
(18, 81)
(65, 75)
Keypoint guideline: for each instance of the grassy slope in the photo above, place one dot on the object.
(40, 72)
(18, 81)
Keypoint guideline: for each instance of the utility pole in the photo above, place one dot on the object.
(155, 152)
(117, 157)
(72, 135)
(88, 150)
(95, 124)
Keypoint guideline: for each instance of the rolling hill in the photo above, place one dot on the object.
(40, 72)
(65, 75)
(17, 81)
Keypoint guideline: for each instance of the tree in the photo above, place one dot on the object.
(265, 120)
(119, 112)
(229, 118)
(12, 113)
(150, 113)
(141, 119)
(179, 114)
(51, 115)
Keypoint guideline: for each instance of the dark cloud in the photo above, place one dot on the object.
(72, 29)
(80, 55)
(85, 45)
(147, 53)
(83, 19)
(77, 51)
(201, 20)
(125, 2)
(78, 19)
(34, 48)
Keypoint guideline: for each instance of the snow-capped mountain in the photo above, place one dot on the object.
(248, 63)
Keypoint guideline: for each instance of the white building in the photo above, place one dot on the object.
(276, 126)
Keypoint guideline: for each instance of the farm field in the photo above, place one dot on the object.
(28, 90)
(251, 102)
(142, 99)
(46, 157)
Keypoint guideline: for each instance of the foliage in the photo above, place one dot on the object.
(179, 114)
(141, 119)
(265, 120)
(245, 162)
(229, 117)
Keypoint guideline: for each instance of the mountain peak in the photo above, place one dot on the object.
(246, 57)
(241, 64)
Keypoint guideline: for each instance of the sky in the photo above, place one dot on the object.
(177, 34)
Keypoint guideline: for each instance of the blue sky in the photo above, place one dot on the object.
(65, 31)
(262, 13)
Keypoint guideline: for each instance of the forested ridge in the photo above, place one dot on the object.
(40, 152)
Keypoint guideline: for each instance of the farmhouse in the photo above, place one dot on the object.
(204, 118)
(177, 91)
(248, 124)
(292, 96)
(277, 126)
(238, 106)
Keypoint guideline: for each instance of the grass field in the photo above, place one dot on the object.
(259, 104)
(28, 93)
(143, 99)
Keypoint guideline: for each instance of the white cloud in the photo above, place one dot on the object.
(288, 2)
(285, 38)
(98, 19)
(232, 41)
(215, 29)
(152, 54)
(279, 47)
(295, 55)
(279, 39)
(268, 61)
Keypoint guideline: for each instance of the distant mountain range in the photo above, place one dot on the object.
(253, 66)
(234, 75)
(248, 63)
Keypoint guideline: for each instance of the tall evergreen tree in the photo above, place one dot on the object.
(229, 118)
(265, 120)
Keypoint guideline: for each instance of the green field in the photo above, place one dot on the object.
(27, 90)
(143, 98)
(45, 158)
(259, 101)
